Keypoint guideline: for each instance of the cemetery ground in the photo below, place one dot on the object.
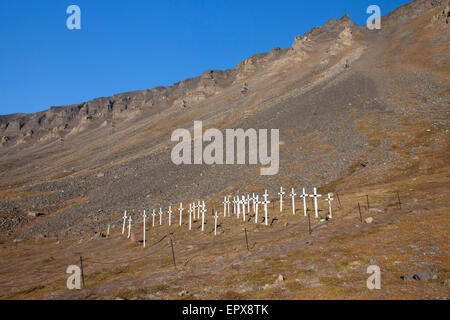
(283, 261)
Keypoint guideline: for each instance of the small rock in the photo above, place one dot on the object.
(424, 275)
(280, 279)
(35, 214)
(100, 175)
(183, 293)
(369, 220)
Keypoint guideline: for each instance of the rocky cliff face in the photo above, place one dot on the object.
(57, 122)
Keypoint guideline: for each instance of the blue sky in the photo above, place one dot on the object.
(140, 44)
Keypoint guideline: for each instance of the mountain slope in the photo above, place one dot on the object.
(83, 165)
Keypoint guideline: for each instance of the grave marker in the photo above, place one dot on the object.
(224, 206)
(281, 193)
(153, 215)
(304, 195)
(144, 216)
(160, 216)
(244, 203)
(181, 211)
(256, 208)
(190, 216)
(315, 196)
(203, 215)
(292, 195)
(329, 199)
(129, 227)
(215, 222)
(124, 221)
(170, 215)
(238, 205)
(194, 206)
(265, 203)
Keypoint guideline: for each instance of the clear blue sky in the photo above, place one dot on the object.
(140, 44)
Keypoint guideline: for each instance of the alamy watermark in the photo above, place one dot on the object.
(74, 280)
(374, 21)
(374, 281)
(213, 153)
(74, 20)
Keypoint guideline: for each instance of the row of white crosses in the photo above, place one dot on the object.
(304, 195)
(244, 201)
(244, 204)
(201, 209)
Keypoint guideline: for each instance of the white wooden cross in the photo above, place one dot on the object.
(181, 211)
(224, 206)
(228, 206)
(129, 227)
(144, 216)
(160, 216)
(194, 206)
(203, 215)
(238, 205)
(329, 199)
(198, 209)
(215, 223)
(281, 193)
(256, 201)
(315, 196)
(244, 203)
(234, 205)
(304, 195)
(248, 203)
(124, 221)
(190, 216)
(292, 195)
(170, 215)
(265, 203)
(153, 215)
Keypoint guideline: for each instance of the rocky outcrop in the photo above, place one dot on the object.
(57, 122)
